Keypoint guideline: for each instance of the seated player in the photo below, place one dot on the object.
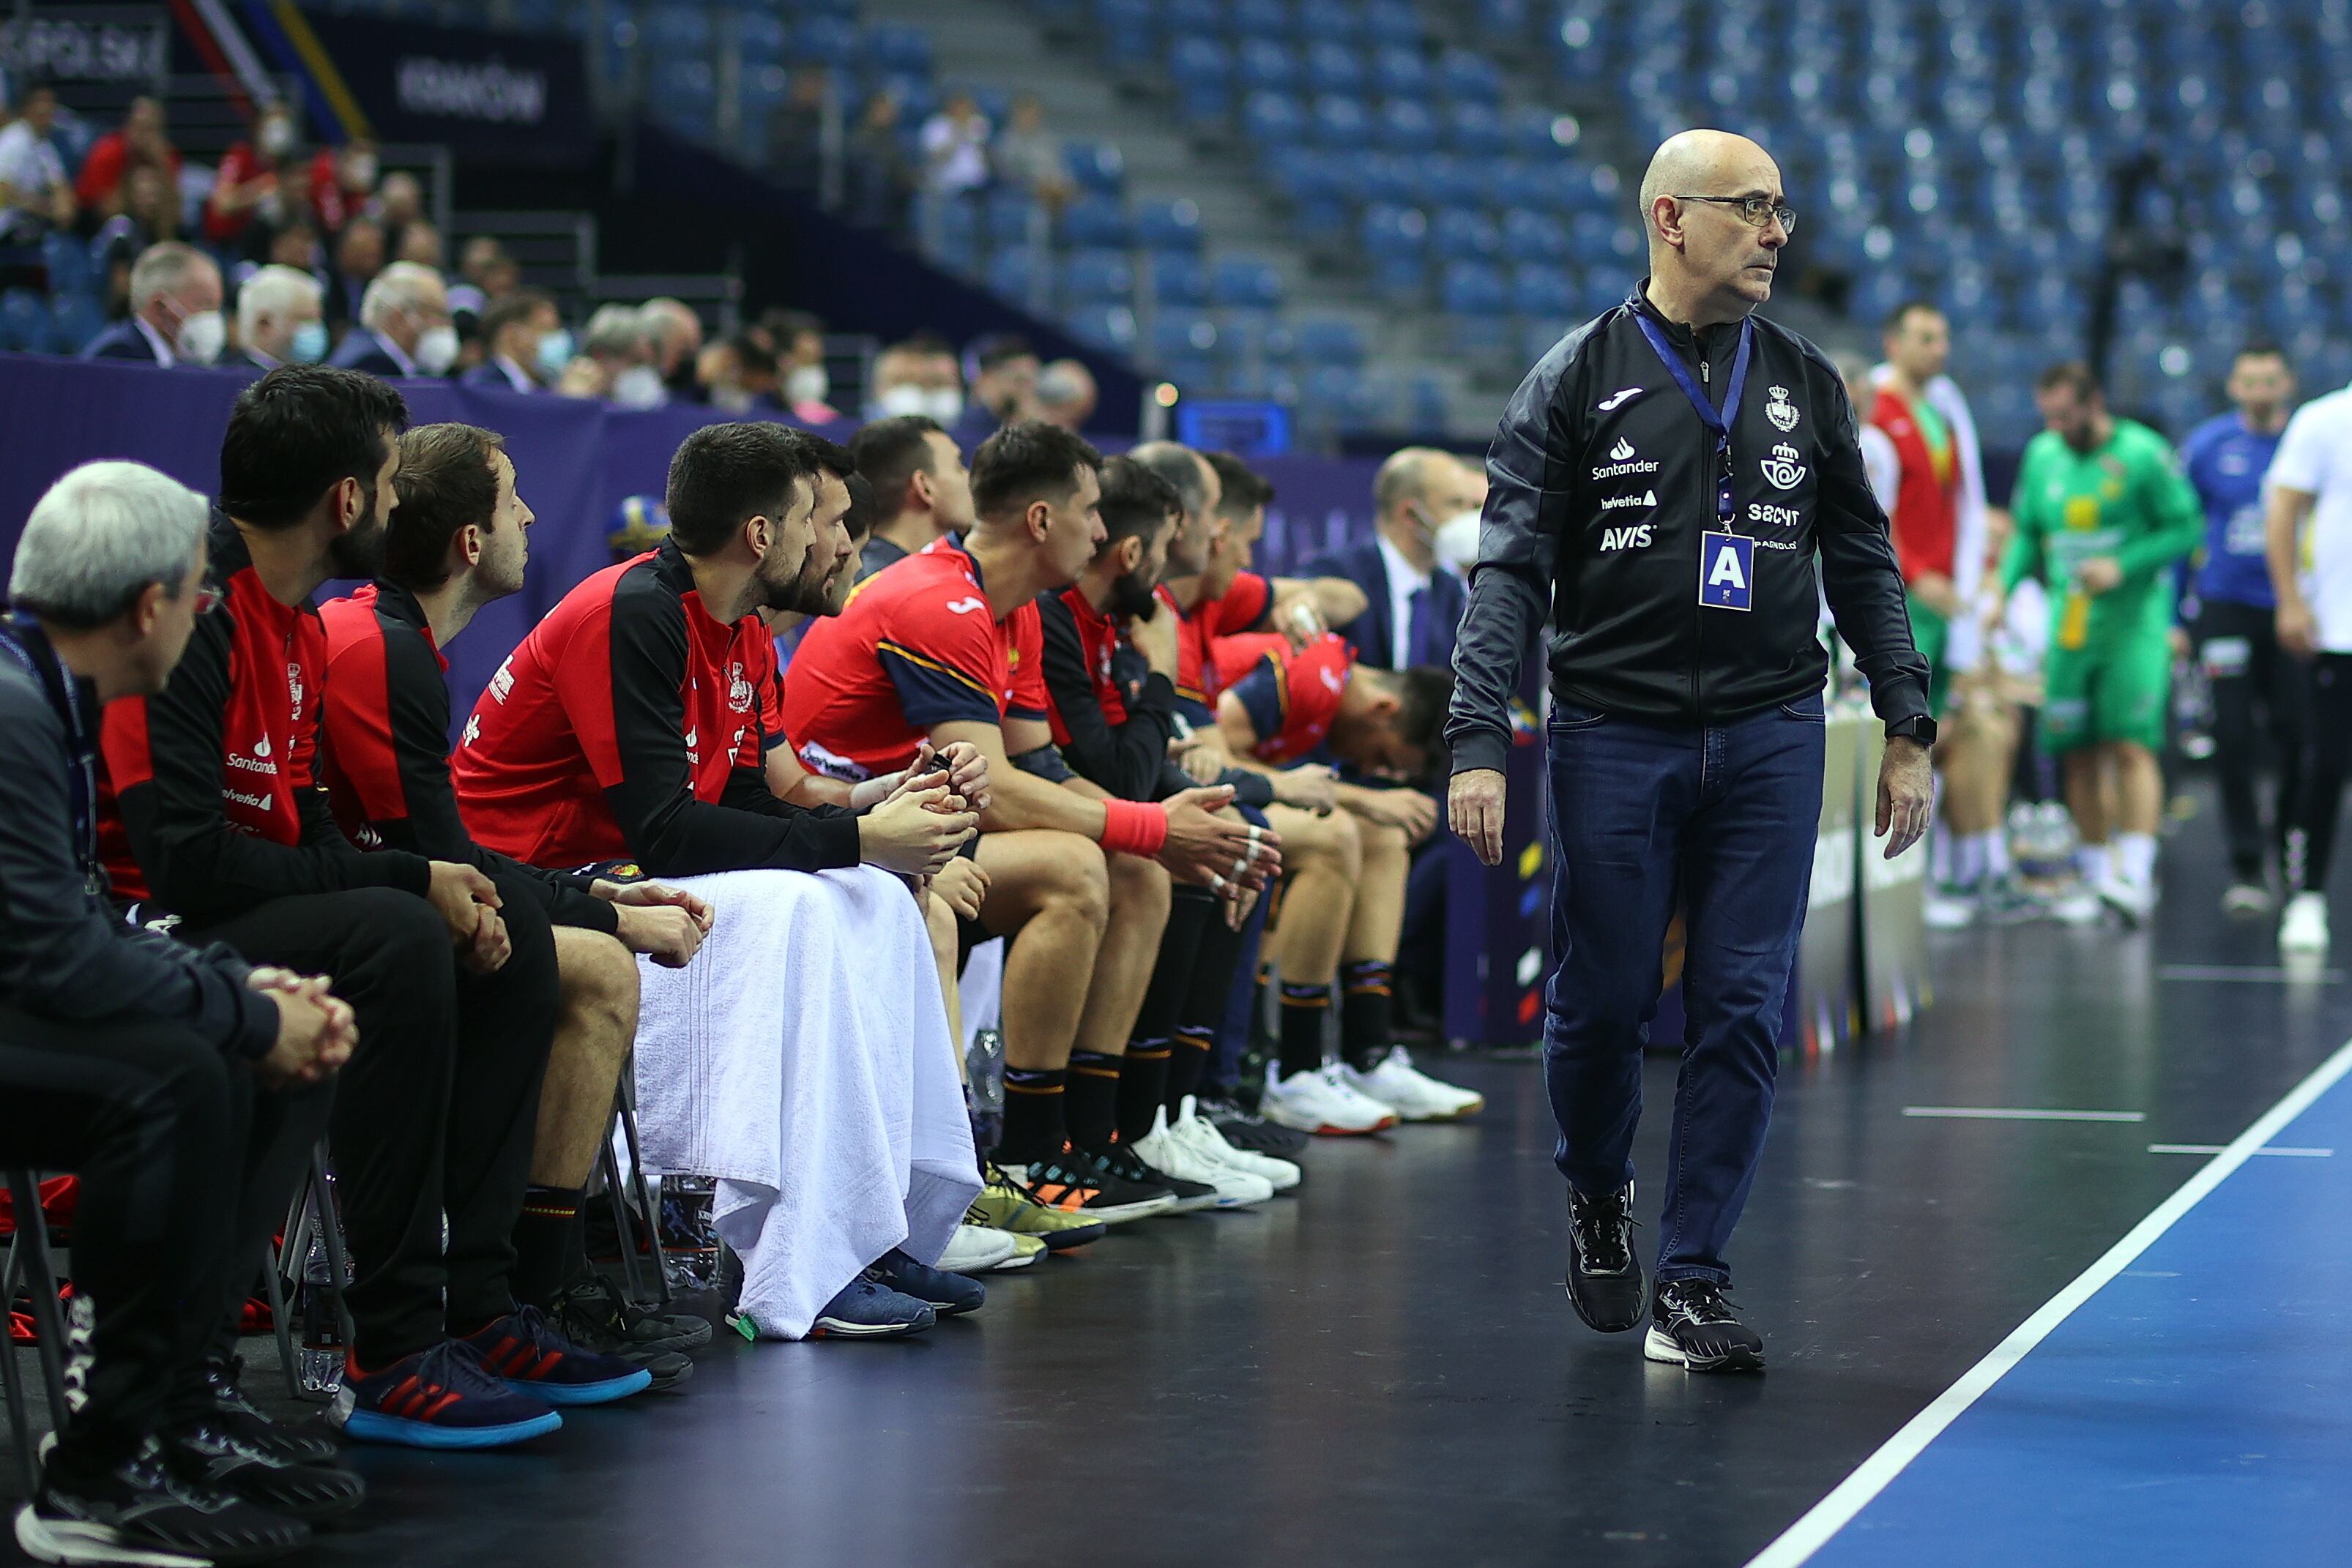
(457, 541)
(627, 726)
(210, 817)
(921, 490)
(1109, 658)
(944, 646)
(1281, 707)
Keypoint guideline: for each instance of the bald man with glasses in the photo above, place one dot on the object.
(1672, 485)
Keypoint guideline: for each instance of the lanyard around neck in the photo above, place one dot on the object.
(1719, 423)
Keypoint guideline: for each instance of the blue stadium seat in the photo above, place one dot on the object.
(1097, 167)
(1427, 404)
(1389, 230)
(1273, 120)
(761, 37)
(1541, 291)
(1476, 129)
(677, 29)
(25, 322)
(826, 41)
(1179, 335)
(1012, 218)
(1329, 340)
(1262, 20)
(1334, 66)
(1244, 283)
(1340, 123)
(1168, 226)
(1392, 22)
(1179, 277)
(1406, 126)
(1344, 400)
(1111, 328)
(74, 319)
(1194, 16)
(68, 261)
(1098, 277)
(899, 47)
(1197, 61)
(1504, 22)
(1464, 234)
(544, 15)
(1400, 72)
(1096, 222)
(1532, 236)
(1537, 337)
(1266, 64)
(1450, 181)
(1467, 75)
(1333, 19)
(1019, 273)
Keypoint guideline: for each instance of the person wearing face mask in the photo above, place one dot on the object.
(677, 333)
(527, 346)
(619, 341)
(798, 340)
(736, 376)
(249, 196)
(176, 312)
(404, 328)
(277, 320)
(1412, 602)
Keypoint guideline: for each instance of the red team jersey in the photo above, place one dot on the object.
(1241, 608)
(1291, 698)
(916, 646)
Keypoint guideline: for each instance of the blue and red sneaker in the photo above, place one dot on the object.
(525, 1349)
(438, 1398)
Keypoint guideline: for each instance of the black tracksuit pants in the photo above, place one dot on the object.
(435, 1110)
(177, 1146)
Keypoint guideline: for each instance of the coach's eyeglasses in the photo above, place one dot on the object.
(1753, 210)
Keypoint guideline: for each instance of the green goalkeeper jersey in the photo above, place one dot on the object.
(2125, 498)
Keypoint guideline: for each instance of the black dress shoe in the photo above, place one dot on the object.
(1604, 1276)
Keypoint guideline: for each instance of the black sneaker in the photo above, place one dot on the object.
(1124, 1162)
(1691, 1326)
(1075, 1183)
(590, 1312)
(140, 1508)
(236, 1414)
(209, 1455)
(1604, 1276)
(1246, 1129)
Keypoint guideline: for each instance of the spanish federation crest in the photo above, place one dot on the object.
(1780, 411)
(738, 690)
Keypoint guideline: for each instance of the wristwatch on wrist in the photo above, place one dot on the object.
(1918, 727)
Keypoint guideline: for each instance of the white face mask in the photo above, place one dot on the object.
(1456, 542)
(639, 386)
(902, 399)
(944, 404)
(808, 383)
(359, 174)
(436, 349)
(200, 338)
(277, 137)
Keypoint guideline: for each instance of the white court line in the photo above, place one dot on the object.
(2216, 1149)
(1835, 1511)
(2002, 1114)
(2249, 974)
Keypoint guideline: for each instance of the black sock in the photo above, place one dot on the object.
(1093, 1098)
(1188, 1058)
(550, 1244)
(1034, 1127)
(1366, 1031)
(1142, 1084)
(1202, 1012)
(1304, 1009)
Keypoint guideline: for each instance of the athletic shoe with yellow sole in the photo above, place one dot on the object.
(1077, 1182)
(1026, 1249)
(1005, 1205)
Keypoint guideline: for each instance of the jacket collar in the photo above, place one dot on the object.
(1680, 336)
(399, 603)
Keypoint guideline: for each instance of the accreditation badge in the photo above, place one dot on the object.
(1726, 571)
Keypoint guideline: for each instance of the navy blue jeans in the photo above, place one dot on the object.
(1726, 816)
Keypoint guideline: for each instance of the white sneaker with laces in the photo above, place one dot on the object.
(1201, 1136)
(2246, 899)
(1320, 1102)
(977, 1249)
(2076, 907)
(2305, 927)
(1950, 911)
(2132, 902)
(1164, 1152)
(1416, 1096)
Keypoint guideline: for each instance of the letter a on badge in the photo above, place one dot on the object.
(1726, 571)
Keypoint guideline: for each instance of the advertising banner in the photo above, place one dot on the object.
(499, 97)
(1893, 978)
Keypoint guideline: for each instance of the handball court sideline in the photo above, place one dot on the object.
(1383, 1369)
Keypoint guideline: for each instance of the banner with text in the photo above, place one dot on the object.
(496, 97)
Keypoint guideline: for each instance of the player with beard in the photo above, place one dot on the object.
(212, 816)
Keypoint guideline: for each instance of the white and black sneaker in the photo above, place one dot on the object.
(1605, 1276)
(209, 1454)
(141, 1512)
(303, 1445)
(1692, 1326)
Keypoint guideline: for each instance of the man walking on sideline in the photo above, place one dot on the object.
(1664, 478)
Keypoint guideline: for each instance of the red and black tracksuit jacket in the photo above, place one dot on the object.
(212, 801)
(1113, 714)
(387, 770)
(628, 725)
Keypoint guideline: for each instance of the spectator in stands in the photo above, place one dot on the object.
(214, 815)
(955, 147)
(35, 194)
(1065, 394)
(297, 245)
(676, 333)
(917, 375)
(399, 202)
(249, 198)
(517, 333)
(1003, 388)
(180, 1084)
(485, 264)
(736, 375)
(797, 131)
(404, 328)
(1414, 604)
(176, 312)
(359, 257)
(150, 215)
(140, 143)
(921, 491)
(618, 343)
(797, 339)
(1029, 158)
(420, 243)
(881, 178)
(277, 320)
(343, 182)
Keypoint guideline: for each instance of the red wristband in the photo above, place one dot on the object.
(1134, 828)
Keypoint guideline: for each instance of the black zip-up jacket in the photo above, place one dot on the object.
(1602, 479)
(65, 954)
(386, 716)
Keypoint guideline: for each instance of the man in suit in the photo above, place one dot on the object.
(277, 320)
(404, 328)
(514, 330)
(175, 310)
(1415, 605)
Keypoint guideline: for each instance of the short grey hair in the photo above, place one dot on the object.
(616, 329)
(1181, 468)
(164, 269)
(403, 285)
(100, 538)
(273, 292)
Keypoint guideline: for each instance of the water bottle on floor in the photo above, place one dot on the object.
(320, 1356)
